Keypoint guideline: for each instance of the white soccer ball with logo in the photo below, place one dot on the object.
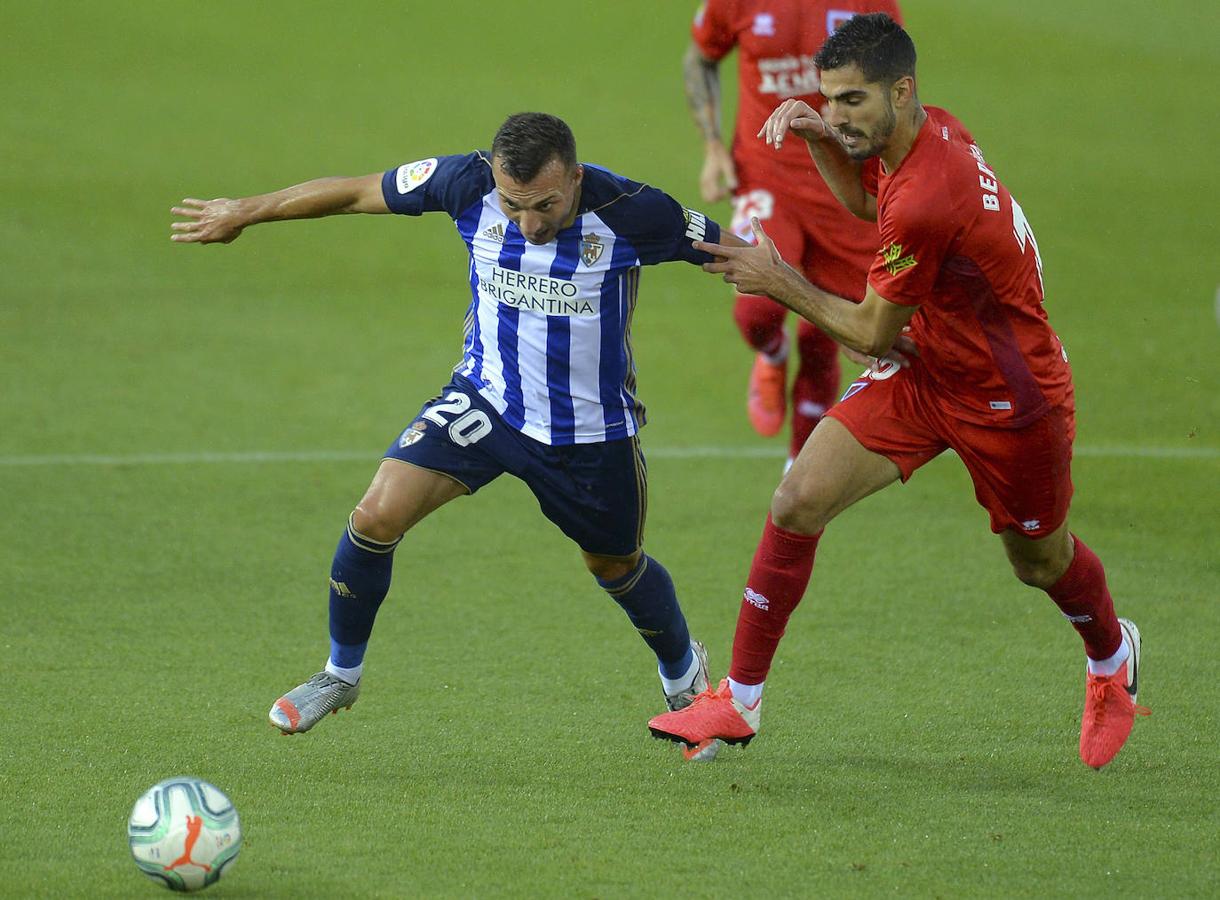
(184, 833)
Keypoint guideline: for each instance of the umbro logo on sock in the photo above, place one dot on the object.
(756, 599)
(1078, 619)
(495, 233)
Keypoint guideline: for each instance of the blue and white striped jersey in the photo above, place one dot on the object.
(548, 330)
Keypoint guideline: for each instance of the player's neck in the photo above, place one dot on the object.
(903, 139)
(574, 212)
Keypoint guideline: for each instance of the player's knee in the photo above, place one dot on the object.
(611, 568)
(1039, 573)
(375, 520)
(757, 325)
(1042, 563)
(797, 508)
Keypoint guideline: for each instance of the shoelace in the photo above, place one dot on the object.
(1096, 690)
(705, 696)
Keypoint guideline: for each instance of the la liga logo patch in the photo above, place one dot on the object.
(413, 174)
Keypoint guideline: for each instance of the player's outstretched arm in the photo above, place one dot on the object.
(840, 172)
(220, 221)
(701, 79)
(871, 327)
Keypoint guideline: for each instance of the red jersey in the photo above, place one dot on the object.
(776, 41)
(956, 244)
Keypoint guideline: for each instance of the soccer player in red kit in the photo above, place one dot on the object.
(959, 270)
(776, 41)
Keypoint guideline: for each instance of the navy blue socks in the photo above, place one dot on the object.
(359, 581)
(647, 595)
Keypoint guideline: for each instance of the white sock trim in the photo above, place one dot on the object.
(351, 676)
(747, 695)
(674, 685)
(1108, 667)
(780, 356)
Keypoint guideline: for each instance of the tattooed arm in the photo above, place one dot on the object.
(702, 79)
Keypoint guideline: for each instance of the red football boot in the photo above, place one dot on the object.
(714, 715)
(766, 403)
(1109, 705)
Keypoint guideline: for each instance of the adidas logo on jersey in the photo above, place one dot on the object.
(495, 233)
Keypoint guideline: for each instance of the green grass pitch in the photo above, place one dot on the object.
(160, 589)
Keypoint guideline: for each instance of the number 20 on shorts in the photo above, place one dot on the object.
(466, 425)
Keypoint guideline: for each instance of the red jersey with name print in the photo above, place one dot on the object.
(956, 244)
(776, 41)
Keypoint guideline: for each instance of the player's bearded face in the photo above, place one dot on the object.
(543, 206)
(862, 112)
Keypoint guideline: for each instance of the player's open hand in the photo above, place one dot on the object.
(798, 117)
(757, 269)
(208, 221)
(719, 176)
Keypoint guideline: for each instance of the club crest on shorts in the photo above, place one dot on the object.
(591, 248)
(413, 433)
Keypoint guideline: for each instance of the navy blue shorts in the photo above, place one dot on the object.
(596, 493)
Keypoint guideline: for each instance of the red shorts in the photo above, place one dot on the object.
(811, 229)
(1022, 476)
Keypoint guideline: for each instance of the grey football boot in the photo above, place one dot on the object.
(706, 751)
(683, 699)
(304, 706)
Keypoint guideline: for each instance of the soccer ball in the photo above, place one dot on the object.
(184, 833)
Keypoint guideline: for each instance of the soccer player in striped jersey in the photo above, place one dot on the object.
(545, 389)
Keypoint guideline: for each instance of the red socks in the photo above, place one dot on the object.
(783, 564)
(816, 385)
(1082, 595)
(761, 322)
(778, 578)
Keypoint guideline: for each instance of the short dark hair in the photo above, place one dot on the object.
(526, 142)
(875, 43)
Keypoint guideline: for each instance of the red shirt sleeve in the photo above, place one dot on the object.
(915, 237)
(713, 30)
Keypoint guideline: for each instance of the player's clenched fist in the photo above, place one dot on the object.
(796, 116)
(209, 221)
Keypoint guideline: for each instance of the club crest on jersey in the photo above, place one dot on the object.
(764, 24)
(591, 248)
(412, 175)
(894, 261)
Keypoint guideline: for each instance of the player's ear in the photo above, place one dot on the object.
(902, 93)
(578, 174)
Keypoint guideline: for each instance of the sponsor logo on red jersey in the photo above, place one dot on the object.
(894, 261)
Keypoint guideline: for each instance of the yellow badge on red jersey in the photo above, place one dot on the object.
(894, 261)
